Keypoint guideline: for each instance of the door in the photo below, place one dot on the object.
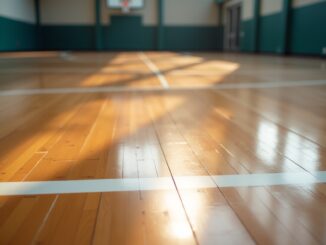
(233, 22)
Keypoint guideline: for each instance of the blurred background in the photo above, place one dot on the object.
(265, 26)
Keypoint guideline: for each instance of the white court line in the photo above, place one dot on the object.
(67, 56)
(154, 69)
(225, 86)
(72, 70)
(83, 90)
(162, 183)
(274, 84)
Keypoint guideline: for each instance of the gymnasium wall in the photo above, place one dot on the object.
(248, 32)
(305, 33)
(68, 24)
(17, 25)
(271, 26)
(188, 25)
(308, 35)
(136, 31)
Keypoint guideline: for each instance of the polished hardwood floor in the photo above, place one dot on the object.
(92, 116)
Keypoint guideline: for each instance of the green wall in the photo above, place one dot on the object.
(307, 32)
(68, 37)
(17, 35)
(128, 33)
(308, 35)
(191, 38)
(247, 43)
(270, 34)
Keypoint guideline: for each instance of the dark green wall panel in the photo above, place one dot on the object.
(128, 33)
(16, 35)
(68, 37)
(307, 32)
(98, 24)
(220, 37)
(270, 34)
(124, 33)
(191, 38)
(308, 35)
(248, 38)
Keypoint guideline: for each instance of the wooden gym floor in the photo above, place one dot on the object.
(162, 148)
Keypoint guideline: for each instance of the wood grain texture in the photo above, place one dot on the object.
(162, 134)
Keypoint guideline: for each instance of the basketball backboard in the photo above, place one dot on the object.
(133, 4)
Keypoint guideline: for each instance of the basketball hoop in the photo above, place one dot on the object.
(125, 7)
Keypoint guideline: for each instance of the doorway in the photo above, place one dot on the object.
(233, 22)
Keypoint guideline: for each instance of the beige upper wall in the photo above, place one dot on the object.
(272, 6)
(190, 12)
(72, 12)
(177, 12)
(68, 12)
(23, 10)
(268, 7)
(194, 12)
(247, 9)
(301, 3)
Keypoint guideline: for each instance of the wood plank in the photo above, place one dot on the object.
(162, 134)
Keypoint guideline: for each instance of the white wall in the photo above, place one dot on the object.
(190, 12)
(22, 10)
(69, 12)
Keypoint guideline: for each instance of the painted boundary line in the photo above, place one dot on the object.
(162, 183)
(154, 69)
(227, 86)
(66, 55)
(274, 84)
(88, 71)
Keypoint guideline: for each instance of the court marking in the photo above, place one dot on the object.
(144, 58)
(67, 56)
(160, 183)
(89, 71)
(227, 86)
